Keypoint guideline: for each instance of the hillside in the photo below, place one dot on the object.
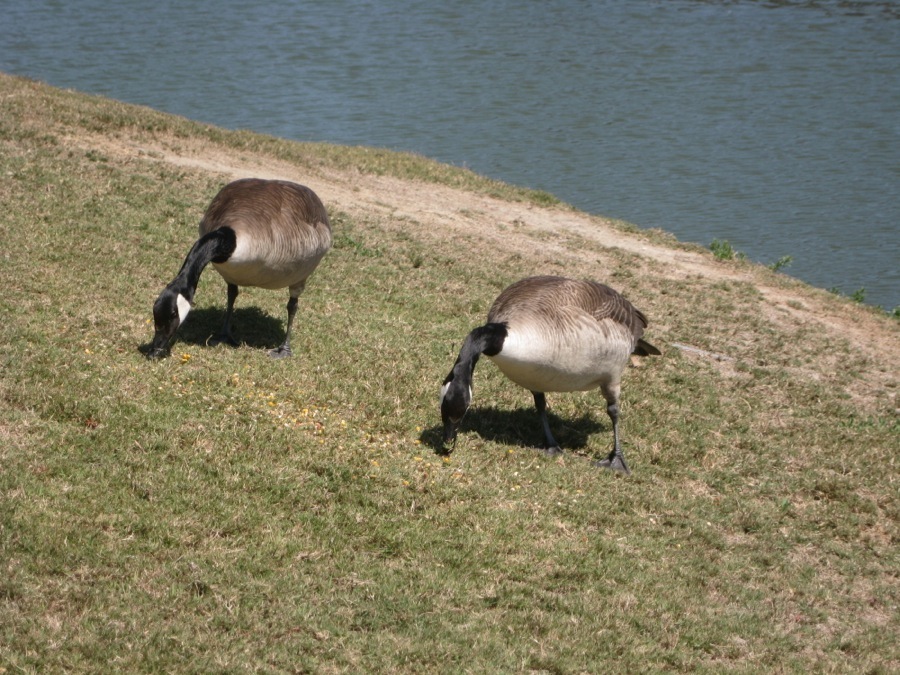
(220, 511)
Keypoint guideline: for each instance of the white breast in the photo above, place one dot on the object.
(585, 355)
(254, 264)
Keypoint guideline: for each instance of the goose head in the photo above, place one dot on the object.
(169, 312)
(456, 396)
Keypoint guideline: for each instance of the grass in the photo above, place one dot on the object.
(219, 511)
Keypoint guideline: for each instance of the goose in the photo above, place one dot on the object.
(265, 233)
(552, 334)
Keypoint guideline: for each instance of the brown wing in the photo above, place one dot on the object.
(255, 202)
(551, 296)
(532, 295)
(605, 303)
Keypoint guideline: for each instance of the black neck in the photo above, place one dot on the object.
(216, 246)
(487, 339)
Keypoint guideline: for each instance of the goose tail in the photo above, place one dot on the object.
(644, 348)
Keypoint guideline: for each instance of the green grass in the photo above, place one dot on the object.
(780, 264)
(723, 250)
(222, 512)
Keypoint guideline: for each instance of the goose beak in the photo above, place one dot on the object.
(454, 404)
(159, 348)
(450, 428)
(157, 353)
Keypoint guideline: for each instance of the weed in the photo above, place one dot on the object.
(723, 250)
(781, 263)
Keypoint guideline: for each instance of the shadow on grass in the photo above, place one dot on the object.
(249, 325)
(520, 427)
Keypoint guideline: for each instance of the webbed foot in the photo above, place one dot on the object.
(281, 352)
(615, 462)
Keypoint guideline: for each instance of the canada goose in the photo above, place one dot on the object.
(549, 333)
(265, 233)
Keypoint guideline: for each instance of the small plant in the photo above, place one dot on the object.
(858, 296)
(542, 198)
(416, 259)
(781, 263)
(723, 250)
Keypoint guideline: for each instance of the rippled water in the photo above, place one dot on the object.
(774, 125)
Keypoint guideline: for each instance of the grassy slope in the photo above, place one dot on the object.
(219, 511)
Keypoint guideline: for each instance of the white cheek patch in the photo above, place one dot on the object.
(184, 307)
(444, 391)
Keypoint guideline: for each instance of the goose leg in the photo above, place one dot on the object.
(540, 402)
(615, 460)
(225, 332)
(285, 348)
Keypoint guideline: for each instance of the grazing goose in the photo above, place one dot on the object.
(552, 334)
(265, 233)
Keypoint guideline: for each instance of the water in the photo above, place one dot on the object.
(774, 125)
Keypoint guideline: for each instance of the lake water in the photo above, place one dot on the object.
(774, 125)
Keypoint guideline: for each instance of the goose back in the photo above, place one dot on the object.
(565, 334)
(281, 228)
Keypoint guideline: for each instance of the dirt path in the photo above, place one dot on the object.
(468, 214)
